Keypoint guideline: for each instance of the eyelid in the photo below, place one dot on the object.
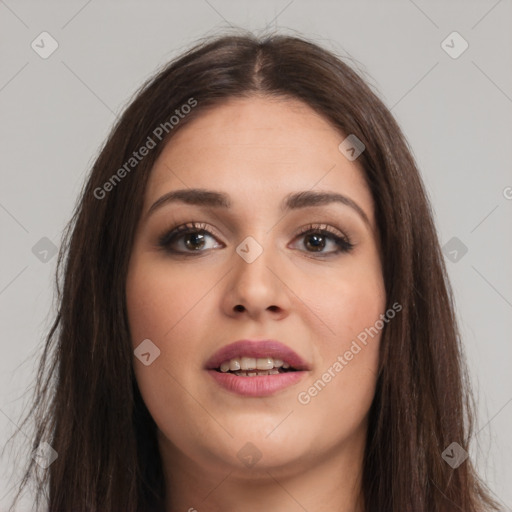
(199, 226)
(340, 239)
(176, 229)
(318, 226)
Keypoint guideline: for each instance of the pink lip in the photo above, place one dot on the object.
(263, 385)
(262, 348)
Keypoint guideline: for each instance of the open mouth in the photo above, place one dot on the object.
(275, 366)
(254, 367)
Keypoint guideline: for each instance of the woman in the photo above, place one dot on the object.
(254, 309)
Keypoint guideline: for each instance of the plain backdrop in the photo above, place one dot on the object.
(455, 109)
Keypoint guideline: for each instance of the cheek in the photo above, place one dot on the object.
(158, 300)
(162, 305)
(348, 355)
(345, 301)
(160, 297)
(356, 305)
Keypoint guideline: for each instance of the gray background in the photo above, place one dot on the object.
(455, 112)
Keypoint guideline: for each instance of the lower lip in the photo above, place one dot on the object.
(263, 385)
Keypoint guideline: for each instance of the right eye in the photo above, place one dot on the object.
(193, 237)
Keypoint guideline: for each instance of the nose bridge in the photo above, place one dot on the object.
(252, 257)
(254, 284)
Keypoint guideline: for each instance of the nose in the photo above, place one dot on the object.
(257, 288)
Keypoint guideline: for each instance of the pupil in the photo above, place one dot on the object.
(316, 237)
(192, 236)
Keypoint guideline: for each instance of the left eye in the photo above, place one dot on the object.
(194, 237)
(315, 238)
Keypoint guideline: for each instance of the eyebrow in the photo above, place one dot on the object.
(293, 201)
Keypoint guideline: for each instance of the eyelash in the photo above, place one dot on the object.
(167, 239)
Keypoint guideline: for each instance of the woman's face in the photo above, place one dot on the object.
(251, 275)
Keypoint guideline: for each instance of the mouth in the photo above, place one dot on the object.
(256, 368)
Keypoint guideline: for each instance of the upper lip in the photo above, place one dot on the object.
(257, 348)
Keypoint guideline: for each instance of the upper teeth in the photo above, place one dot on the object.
(252, 363)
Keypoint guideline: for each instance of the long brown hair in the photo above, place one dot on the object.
(87, 405)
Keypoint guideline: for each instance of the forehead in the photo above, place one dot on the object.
(258, 147)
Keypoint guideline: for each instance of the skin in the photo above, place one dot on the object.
(257, 150)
